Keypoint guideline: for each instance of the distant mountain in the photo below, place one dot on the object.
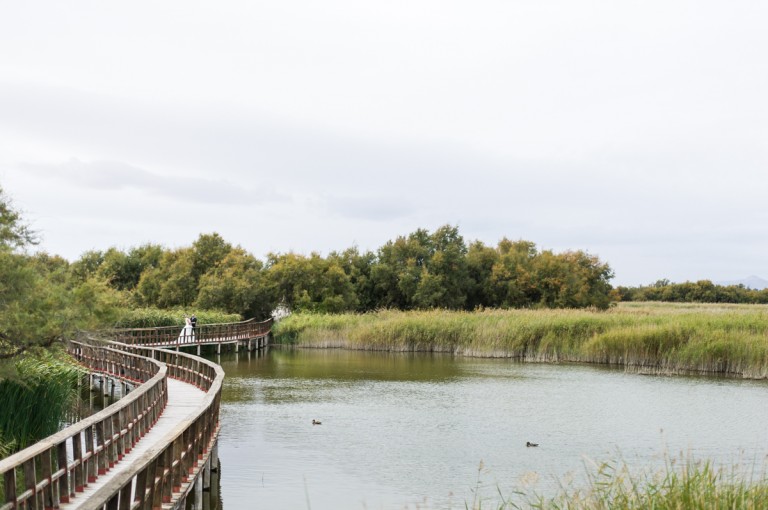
(750, 282)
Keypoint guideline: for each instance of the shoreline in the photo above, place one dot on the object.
(711, 340)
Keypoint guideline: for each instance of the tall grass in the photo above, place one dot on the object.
(684, 485)
(36, 400)
(657, 337)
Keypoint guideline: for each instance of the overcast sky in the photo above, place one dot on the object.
(634, 130)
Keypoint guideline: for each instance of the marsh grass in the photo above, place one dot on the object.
(36, 400)
(647, 337)
(682, 484)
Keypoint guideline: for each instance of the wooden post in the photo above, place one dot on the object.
(215, 457)
(207, 475)
(30, 482)
(48, 491)
(10, 486)
(63, 482)
(198, 504)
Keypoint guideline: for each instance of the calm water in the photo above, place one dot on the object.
(413, 430)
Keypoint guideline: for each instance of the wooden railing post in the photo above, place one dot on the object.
(30, 481)
(64, 478)
(9, 479)
(46, 472)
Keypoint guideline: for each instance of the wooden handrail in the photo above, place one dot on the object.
(161, 471)
(166, 336)
(53, 470)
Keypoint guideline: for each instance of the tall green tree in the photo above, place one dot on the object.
(208, 251)
(123, 270)
(358, 268)
(310, 283)
(448, 270)
(513, 283)
(172, 283)
(481, 260)
(237, 285)
(15, 233)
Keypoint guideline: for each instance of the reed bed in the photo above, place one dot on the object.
(36, 400)
(647, 337)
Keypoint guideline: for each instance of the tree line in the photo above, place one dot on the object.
(702, 291)
(44, 296)
(422, 270)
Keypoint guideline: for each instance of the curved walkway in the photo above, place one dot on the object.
(184, 401)
(144, 451)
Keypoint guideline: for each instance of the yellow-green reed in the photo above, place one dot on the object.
(683, 485)
(654, 337)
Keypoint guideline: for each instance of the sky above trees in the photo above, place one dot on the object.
(631, 130)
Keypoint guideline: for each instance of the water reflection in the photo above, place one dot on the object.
(95, 393)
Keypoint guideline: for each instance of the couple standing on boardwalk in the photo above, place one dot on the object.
(188, 331)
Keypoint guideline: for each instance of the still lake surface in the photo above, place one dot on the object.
(437, 431)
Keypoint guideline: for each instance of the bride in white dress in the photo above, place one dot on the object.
(187, 333)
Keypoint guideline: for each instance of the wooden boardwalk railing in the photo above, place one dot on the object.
(55, 469)
(50, 473)
(158, 476)
(172, 336)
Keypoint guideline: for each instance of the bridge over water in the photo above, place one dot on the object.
(152, 448)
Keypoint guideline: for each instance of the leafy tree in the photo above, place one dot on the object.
(310, 283)
(237, 285)
(87, 265)
(448, 266)
(481, 260)
(25, 303)
(14, 232)
(513, 281)
(172, 283)
(358, 268)
(208, 251)
(586, 281)
(123, 270)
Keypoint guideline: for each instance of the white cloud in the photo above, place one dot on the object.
(100, 176)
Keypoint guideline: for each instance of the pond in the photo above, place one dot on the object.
(435, 431)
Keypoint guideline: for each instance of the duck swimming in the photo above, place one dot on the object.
(531, 445)
(316, 422)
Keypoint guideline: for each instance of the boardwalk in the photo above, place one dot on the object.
(250, 334)
(149, 449)
(183, 402)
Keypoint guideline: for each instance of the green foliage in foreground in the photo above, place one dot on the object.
(661, 338)
(688, 485)
(155, 317)
(36, 401)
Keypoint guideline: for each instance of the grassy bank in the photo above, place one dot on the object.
(654, 337)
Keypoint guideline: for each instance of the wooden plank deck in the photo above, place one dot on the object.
(183, 399)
